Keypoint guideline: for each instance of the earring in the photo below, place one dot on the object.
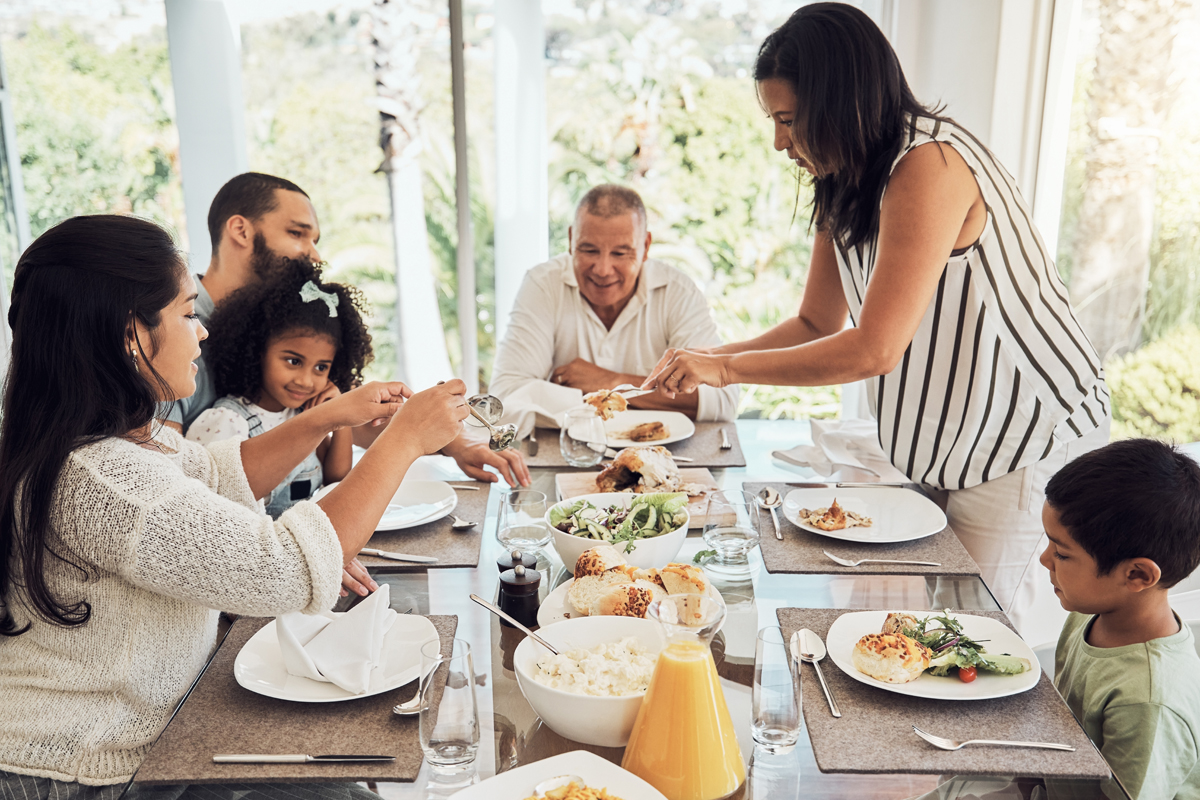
(133, 354)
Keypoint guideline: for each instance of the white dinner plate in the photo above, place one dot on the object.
(678, 426)
(847, 629)
(596, 772)
(259, 666)
(414, 503)
(897, 514)
(556, 607)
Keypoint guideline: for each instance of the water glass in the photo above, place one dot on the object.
(582, 440)
(449, 732)
(731, 527)
(523, 520)
(775, 718)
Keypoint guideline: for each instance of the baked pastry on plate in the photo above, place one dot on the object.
(890, 657)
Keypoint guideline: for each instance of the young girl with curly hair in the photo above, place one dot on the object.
(279, 348)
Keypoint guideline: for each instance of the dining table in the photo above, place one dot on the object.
(512, 735)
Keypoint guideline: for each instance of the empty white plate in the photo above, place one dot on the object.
(897, 515)
(995, 636)
(679, 427)
(259, 665)
(415, 503)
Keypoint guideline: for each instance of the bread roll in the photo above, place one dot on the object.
(683, 579)
(585, 590)
(898, 623)
(625, 600)
(598, 560)
(890, 657)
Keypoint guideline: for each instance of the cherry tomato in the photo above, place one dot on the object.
(966, 674)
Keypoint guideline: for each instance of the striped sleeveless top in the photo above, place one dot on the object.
(999, 372)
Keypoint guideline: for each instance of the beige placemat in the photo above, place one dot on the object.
(801, 552)
(221, 717)
(874, 734)
(704, 447)
(451, 548)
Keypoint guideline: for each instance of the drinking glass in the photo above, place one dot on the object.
(523, 520)
(582, 439)
(775, 718)
(449, 732)
(731, 527)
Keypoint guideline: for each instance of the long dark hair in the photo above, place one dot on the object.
(247, 321)
(71, 381)
(852, 105)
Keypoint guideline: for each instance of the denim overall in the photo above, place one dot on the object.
(300, 484)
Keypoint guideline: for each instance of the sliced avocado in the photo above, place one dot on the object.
(1005, 665)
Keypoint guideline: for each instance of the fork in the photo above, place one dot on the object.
(725, 443)
(629, 391)
(845, 562)
(951, 744)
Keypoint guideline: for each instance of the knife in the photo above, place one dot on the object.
(292, 759)
(370, 551)
(533, 444)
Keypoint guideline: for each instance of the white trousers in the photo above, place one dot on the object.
(1000, 524)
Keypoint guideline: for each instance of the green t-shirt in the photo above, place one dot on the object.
(1139, 704)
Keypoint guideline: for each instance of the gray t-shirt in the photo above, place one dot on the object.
(185, 411)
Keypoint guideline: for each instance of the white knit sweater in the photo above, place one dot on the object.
(168, 538)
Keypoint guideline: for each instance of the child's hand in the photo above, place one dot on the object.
(373, 403)
(431, 419)
(330, 392)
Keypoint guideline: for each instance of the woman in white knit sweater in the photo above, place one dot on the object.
(119, 539)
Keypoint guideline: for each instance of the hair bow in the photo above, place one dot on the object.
(310, 292)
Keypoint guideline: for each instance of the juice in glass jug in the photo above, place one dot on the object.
(683, 740)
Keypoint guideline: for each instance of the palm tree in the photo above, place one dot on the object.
(421, 357)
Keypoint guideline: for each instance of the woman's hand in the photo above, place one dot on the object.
(686, 370)
(431, 419)
(355, 578)
(373, 403)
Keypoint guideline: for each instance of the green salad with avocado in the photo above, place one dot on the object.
(953, 649)
(650, 515)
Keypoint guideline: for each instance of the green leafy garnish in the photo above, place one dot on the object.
(703, 556)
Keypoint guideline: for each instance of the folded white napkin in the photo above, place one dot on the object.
(341, 649)
(844, 444)
(539, 404)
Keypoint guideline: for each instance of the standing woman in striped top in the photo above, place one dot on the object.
(981, 379)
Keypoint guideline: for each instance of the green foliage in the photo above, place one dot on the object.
(1156, 389)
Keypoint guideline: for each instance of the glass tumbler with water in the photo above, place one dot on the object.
(775, 723)
(731, 527)
(582, 440)
(523, 520)
(449, 730)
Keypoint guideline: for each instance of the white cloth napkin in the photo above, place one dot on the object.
(844, 444)
(341, 649)
(539, 404)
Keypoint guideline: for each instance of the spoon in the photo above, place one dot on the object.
(409, 708)
(460, 524)
(502, 437)
(807, 646)
(550, 784)
(770, 499)
(505, 616)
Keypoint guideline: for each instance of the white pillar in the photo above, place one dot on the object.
(522, 214)
(468, 321)
(206, 71)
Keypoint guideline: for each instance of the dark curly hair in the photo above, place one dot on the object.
(252, 317)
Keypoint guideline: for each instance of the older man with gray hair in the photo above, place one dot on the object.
(603, 313)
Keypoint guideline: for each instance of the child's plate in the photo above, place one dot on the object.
(415, 503)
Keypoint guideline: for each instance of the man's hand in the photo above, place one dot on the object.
(472, 457)
(683, 371)
(586, 376)
(373, 403)
(355, 578)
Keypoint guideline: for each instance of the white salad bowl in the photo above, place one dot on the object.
(657, 551)
(600, 721)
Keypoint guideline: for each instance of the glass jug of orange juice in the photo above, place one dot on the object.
(683, 741)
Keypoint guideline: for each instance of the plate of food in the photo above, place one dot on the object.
(637, 426)
(598, 774)
(945, 656)
(415, 503)
(604, 584)
(878, 514)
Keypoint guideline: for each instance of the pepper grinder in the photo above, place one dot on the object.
(513, 557)
(519, 595)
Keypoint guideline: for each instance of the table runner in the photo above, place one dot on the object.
(221, 717)
(704, 446)
(800, 552)
(874, 734)
(452, 548)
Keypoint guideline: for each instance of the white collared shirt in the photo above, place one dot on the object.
(552, 325)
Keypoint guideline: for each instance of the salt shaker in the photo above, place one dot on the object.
(519, 595)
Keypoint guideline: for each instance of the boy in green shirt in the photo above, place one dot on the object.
(1124, 526)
